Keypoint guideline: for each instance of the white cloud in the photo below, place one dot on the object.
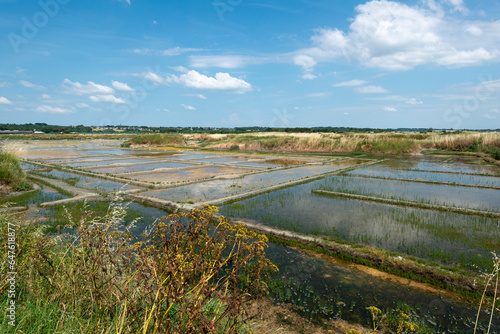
(318, 94)
(407, 100)
(394, 36)
(4, 100)
(31, 85)
(221, 81)
(180, 69)
(391, 109)
(463, 58)
(474, 30)
(188, 107)
(82, 105)
(45, 96)
(491, 85)
(414, 101)
(309, 76)
(53, 110)
(167, 52)
(122, 86)
(4, 84)
(153, 77)
(489, 116)
(200, 96)
(458, 5)
(371, 90)
(107, 98)
(90, 88)
(225, 61)
(193, 79)
(306, 62)
(127, 1)
(495, 110)
(350, 83)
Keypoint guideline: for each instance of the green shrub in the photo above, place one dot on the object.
(495, 155)
(11, 172)
(474, 147)
(22, 186)
(155, 139)
(234, 148)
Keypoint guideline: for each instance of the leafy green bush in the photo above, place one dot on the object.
(11, 172)
(234, 148)
(475, 146)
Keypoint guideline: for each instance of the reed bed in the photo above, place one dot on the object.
(335, 143)
(464, 141)
(383, 142)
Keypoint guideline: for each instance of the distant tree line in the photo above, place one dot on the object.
(46, 128)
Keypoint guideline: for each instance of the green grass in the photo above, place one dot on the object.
(19, 200)
(391, 145)
(156, 139)
(60, 190)
(62, 215)
(72, 181)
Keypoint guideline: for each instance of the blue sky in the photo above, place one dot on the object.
(226, 63)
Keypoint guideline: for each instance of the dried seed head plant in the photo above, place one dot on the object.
(493, 277)
(190, 274)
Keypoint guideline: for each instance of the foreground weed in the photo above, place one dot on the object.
(393, 322)
(493, 276)
(189, 274)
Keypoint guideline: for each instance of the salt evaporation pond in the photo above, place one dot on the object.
(216, 189)
(381, 171)
(461, 197)
(448, 167)
(88, 182)
(416, 232)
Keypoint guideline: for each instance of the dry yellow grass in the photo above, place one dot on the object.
(457, 141)
(385, 142)
(314, 142)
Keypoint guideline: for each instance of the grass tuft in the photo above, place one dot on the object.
(155, 139)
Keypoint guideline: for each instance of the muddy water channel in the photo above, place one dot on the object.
(279, 190)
